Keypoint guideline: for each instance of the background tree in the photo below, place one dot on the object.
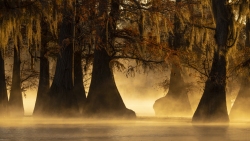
(21, 23)
(176, 102)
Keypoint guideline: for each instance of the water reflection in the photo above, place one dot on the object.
(211, 132)
(146, 129)
(239, 131)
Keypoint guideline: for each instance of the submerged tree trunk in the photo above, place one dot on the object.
(240, 109)
(176, 102)
(3, 89)
(16, 99)
(63, 102)
(79, 90)
(212, 106)
(43, 87)
(104, 99)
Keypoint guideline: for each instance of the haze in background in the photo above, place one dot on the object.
(139, 93)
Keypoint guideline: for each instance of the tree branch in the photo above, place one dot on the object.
(193, 67)
(139, 59)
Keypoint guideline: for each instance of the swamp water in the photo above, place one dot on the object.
(140, 129)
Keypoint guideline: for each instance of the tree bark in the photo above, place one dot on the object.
(43, 87)
(63, 101)
(178, 41)
(78, 81)
(3, 89)
(212, 106)
(16, 99)
(247, 42)
(104, 99)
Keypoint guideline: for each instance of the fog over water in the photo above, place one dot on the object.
(141, 129)
(139, 93)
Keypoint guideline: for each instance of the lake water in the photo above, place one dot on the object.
(141, 129)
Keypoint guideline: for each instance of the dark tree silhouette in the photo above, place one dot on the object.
(63, 101)
(212, 106)
(3, 90)
(79, 90)
(44, 84)
(16, 100)
(104, 99)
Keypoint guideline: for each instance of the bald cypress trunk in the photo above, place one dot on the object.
(247, 42)
(79, 90)
(3, 89)
(43, 87)
(212, 106)
(240, 109)
(104, 99)
(63, 101)
(16, 100)
(176, 102)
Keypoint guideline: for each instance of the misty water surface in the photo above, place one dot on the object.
(141, 129)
